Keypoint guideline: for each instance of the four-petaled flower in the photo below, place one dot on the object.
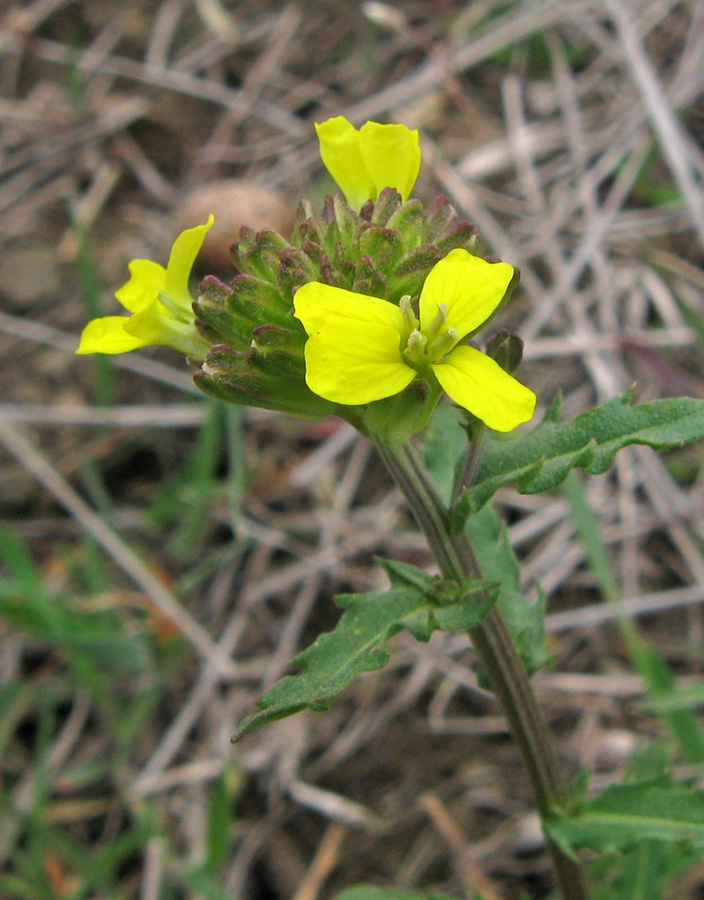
(363, 162)
(160, 303)
(361, 349)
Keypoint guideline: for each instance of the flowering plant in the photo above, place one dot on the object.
(370, 312)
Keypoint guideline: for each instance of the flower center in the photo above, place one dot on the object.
(430, 345)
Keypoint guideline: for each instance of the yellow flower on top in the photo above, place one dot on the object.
(361, 349)
(363, 162)
(160, 303)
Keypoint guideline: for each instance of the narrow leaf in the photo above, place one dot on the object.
(444, 446)
(642, 873)
(525, 620)
(648, 661)
(371, 892)
(542, 459)
(416, 601)
(626, 814)
(675, 700)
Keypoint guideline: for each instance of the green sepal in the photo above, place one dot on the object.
(387, 204)
(231, 375)
(396, 419)
(277, 351)
(410, 220)
(308, 227)
(292, 338)
(460, 235)
(346, 222)
(413, 269)
(211, 308)
(257, 302)
(416, 601)
(348, 271)
(442, 219)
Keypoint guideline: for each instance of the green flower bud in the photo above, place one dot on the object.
(231, 375)
(388, 203)
(296, 267)
(505, 348)
(257, 253)
(384, 245)
(369, 280)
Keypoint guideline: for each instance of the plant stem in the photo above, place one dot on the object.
(472, 459)
(497, 652)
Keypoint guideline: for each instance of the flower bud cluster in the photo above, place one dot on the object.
(386, 251)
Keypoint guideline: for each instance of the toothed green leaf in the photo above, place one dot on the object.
(543, 458)
(416, 601)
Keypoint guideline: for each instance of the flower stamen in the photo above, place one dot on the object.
(439, 322)
(438, 349)
(414, 352)
(409, 317)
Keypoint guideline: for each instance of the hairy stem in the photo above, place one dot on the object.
(497, 652)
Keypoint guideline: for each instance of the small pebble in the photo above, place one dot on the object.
(234, 203)
(615, 747)
(29, 274)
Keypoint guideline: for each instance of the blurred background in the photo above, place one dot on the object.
(163, 557)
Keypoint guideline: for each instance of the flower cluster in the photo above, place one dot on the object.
(366, 312)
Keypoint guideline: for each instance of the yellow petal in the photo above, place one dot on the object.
(391, 154)
(176, 294)
(317, 305)
(108, 335)
(147, 278)
(342, 157)
(156, 325)
(470, 287)
(151, 325)
(358, 362)
(480, 385)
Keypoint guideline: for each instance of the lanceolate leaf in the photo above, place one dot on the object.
(371, 892)
(642, 873)
(416, 601)
(526, 620)
(543, 458)
(627, 814)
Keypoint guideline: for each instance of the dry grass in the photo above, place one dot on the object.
(571, 134)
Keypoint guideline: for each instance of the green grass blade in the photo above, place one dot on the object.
(650, 665)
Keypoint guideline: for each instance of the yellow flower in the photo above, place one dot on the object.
(160, 303)
(363, 162)
(362, 349)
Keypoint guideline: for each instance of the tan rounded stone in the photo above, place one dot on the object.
(234, 203)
